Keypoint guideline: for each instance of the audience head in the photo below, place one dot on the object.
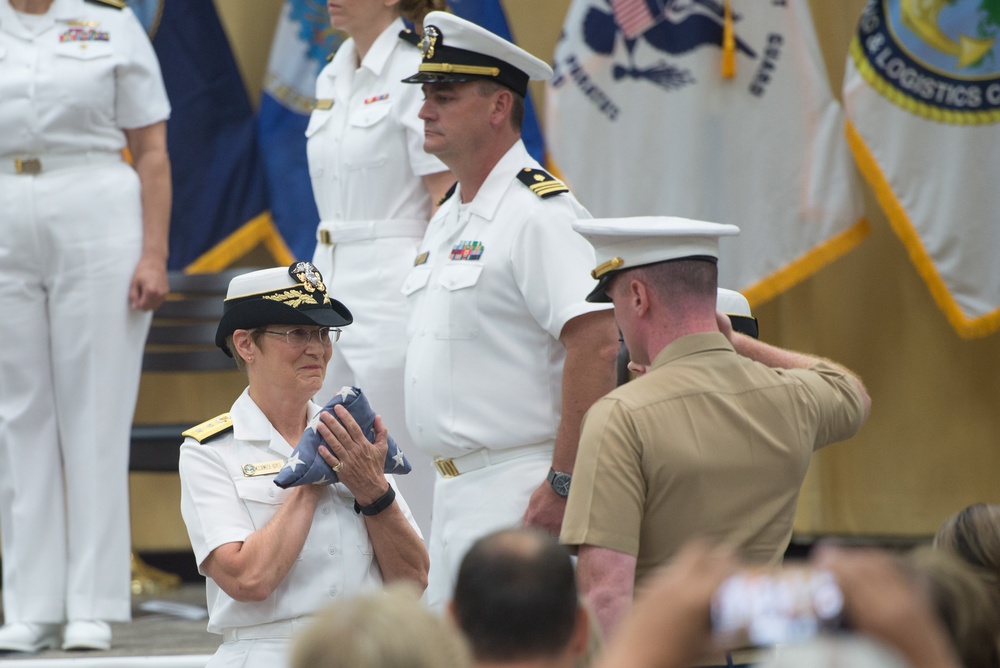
(380, 630)
(963, 602)
(516, 599)
(973, 534)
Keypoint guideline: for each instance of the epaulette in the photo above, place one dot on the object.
(541, 182)
(117, 4)
(220, 424)
(451, 191)
(410, 37)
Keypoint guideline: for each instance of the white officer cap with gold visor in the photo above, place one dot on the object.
(621, 244)
(458, 50)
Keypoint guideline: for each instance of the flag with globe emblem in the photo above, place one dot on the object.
(922, 94)
(306, 467)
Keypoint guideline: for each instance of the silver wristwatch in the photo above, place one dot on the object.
(560, 482)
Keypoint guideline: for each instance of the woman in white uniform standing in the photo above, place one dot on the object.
(83, 250)
(375, 189)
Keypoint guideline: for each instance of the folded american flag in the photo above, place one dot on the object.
(306, 467)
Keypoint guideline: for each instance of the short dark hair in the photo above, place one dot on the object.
(516, 597)
(487, 87)
(681, 279)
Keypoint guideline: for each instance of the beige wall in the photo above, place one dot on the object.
(931, 445)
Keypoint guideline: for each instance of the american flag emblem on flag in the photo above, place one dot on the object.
(632, 16)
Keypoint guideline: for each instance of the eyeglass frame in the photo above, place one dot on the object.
(333, 335)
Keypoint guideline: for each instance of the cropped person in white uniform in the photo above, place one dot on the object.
(375, 188)
(504, 354)
(82, 262)
(274, 556)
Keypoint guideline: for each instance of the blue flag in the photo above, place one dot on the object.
(218, 179)
(490, 15)
(307, 467)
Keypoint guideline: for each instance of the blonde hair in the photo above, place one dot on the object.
(389, 629)
(973, 534)
(415, 10)
(963, 602)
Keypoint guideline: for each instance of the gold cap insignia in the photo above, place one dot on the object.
(606, 267)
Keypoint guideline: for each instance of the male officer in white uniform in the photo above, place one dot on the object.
(504, 353)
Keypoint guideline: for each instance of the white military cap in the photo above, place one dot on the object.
(293, 295)
(736, 306)
(621, 244)
(458, 50)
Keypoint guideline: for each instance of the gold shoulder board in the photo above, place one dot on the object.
(541, 182)
(117, 4)
(206, 430)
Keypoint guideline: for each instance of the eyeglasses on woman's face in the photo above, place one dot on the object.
(300, 337)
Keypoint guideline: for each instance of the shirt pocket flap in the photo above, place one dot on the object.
(261, 490)
(459, 276)
(370, 114)
(85, 50)
(415, 280)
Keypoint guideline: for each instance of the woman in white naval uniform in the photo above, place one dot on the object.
(83, 250)
(375, 189)
(274, 556)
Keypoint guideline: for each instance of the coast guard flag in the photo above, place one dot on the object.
(709, 109)
(218, 179)
(922, 93)
(489, 14)
(303, 39)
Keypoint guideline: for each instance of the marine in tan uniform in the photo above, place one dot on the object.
(714, 440)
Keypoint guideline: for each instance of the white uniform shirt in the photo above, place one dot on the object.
(72, 86)
(366, 151)
(484, 361)
(220, 505)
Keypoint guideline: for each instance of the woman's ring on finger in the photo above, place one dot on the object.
(336, 469)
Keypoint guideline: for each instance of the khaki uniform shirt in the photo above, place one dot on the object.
(707, 443)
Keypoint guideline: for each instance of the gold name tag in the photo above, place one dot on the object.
(421, 259)
(323, 105)
(263, 468)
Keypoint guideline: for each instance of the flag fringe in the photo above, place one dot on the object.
(967, 328)
(806, 265)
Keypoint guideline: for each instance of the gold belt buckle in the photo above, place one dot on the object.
(325, 237)
(446, 467)
(28, 166)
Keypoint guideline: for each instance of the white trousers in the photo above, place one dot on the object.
(366, 276)
(69, 374)
(473, 505)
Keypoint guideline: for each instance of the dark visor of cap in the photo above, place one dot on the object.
(451, 64)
